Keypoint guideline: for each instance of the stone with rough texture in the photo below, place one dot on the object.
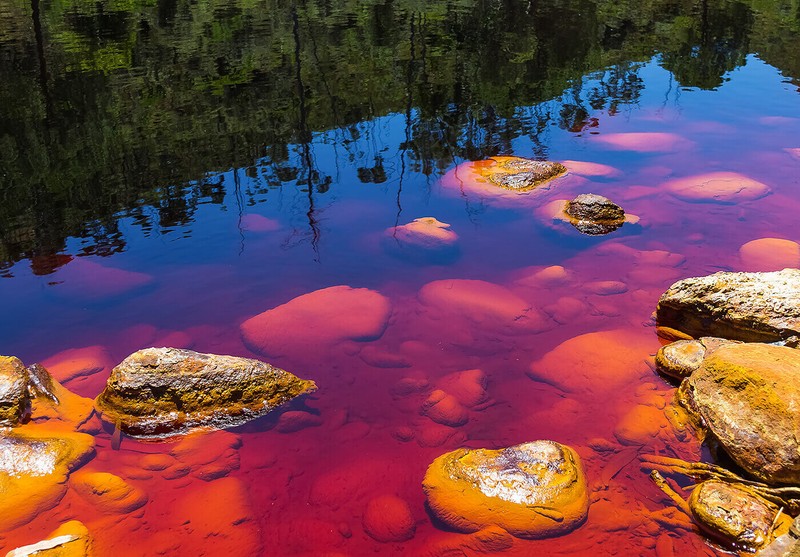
(14, 397)
(34, 465)
(594, 214)
(753, 307)
(532, 490)
(680, 358)
(323, 317)
(519, 174)
(733, 514)
(747, 396)
(165, 391)
(71, 539)
(388, 519)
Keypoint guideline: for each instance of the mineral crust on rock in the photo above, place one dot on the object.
(752, 307)
(733, 514)
(14, 397)
(519, 174)
(164, 391)
(680, 358)
(532, 490)
(747, 395)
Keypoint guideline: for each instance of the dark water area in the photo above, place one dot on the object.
(171, 169)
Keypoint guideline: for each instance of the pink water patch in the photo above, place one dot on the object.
(257, 223)
(643, 142)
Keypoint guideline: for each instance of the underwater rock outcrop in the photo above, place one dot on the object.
(752, 307)
(532, 490)
(717, 187)
(164, 391)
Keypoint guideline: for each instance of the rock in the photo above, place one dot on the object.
(747, 395)
(34, 465)
(165, 391)
(328, 316)
(388, 519)
(680, 358)
(71, 539)
(295, 420)
(78, 362)
(606, 287)
(482, 303)
(14, 397)
(422, 237)
(594, 214)
(468, 387)
(502, 178)
(640, 425)
(597, 363)
(719, 187)
(532, 490)
(208, 455)
(769, 254)
(109, 494)
(519, 174)
(733, 514)
(752, 307)
(445, 409)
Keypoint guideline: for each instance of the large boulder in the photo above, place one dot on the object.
(163, 391)
(748, 396)
(14, 397)
(752, 307)
(532, 490)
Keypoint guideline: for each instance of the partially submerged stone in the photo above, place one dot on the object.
(733, 514)
(752, 307)
(426, 233)
(14, 397)
(71, 539)
(747, 395)
(520, 174)
(680, 358)
(532, 490)
(34, 465)
(594, 214)
(164, 391)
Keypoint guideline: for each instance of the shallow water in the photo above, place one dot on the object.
(172, 170)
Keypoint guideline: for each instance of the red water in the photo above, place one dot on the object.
(574, 370)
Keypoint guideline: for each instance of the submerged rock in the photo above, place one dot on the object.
(71, 539)
(752, 307)
(717, 187)
(594, 214)
(747, 395)
(14, 397)
(388, 519)
(108, 494)
(769, 254)
(532, 490)
(164, 391)
(733, 514)
(423, 238)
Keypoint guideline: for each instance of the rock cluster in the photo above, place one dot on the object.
(163, 391)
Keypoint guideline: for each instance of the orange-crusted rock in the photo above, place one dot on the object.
(769, 254)
(483, 303)
(595, 362)
(14, 397)
(164, 391)
(468, 386)
(326, 316)
(34, 464)
(490, 540)
(445, 409)
(640, 425)
(388, 519)
(54, 403)
(719, 187)
(71, 539)
(532, 490)
(680, 358)
(109, 494)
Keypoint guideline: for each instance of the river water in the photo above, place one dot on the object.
(171, 169)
